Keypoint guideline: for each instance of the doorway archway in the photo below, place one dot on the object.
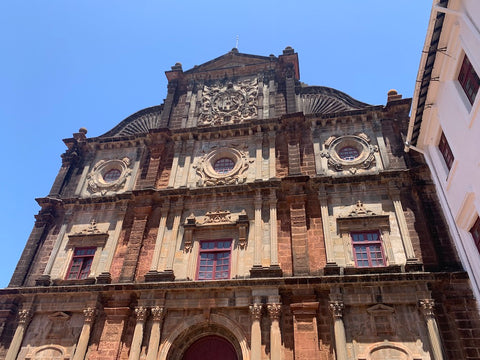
(211, 347)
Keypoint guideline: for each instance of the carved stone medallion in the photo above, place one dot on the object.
(98, 179)
(228, 103)
(349, 152)
(208, 176)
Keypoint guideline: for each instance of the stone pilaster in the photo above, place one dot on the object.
(176, 156)
(158, 313)
(177, 213)
(427, 307)
(152, 275)
(141, 313)
(135, 242)
(82, 343)
(257, 255)
(272, 166)
(256, 332)
(258, 155)
(331, 263)
(298, 230)
(274, 311)
(336, 307)
(24, 318)
(402, 225)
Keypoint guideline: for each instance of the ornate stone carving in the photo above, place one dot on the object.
(95, 179)
(274, 310)
(91, 229)
(141, 313)
(158, 312)
(209, 177)
(228, 103)
(24, 316)
(336, 307)
(359, 210)
(360, 142)
(428, 307)
(89, 314)
(256, 311)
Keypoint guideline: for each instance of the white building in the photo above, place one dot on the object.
(445, 121)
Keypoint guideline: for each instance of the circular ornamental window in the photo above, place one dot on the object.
(112, 175)
(223, 165)
(348, 153)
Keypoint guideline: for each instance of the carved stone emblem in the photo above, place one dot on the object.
(360, 143)
(209, 177)
(229, 104)
(96, 182)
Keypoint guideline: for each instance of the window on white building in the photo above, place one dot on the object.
(469, 80)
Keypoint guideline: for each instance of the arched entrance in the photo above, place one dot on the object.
(211, 347)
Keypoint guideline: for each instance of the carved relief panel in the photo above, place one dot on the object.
(228, 103)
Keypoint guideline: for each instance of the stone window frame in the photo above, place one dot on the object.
(468, 79)
(83, 258)
(364, 221)
(215, 251)
(364, 243)
(446, 151)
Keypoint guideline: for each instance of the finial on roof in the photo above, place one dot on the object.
(82, 130)
(288, 51)
(236, 43)
(177, 67)
(393, 95)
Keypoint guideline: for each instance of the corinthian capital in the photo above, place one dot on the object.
(274, 310)
(427, 306)
(89, 314)
(24, 316)
(158, 312)
(336, 307)
(141, 312)
(256, 311)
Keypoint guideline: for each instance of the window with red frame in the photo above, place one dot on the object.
(367, 249)
(214, 260)
(475, 231)
(469, 80)
(81, 263)
(446, 151)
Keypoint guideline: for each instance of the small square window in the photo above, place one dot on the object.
(446, 151)
(214, 260)
(469, 80)
(475, 231)
(81, 263)
(367, 249)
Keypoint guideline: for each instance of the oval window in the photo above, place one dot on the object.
(112, 175)
(223, 165)
(348, 153)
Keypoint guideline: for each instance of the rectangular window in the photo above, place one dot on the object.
(475, 231)
(367, 249)
(214, 260)
(81, 263)
(469, 80)
(446, 151)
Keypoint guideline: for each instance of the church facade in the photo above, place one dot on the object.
(249, 216)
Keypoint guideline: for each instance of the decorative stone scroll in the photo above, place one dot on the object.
(216, 218)
(256, 311)
(228, 103)
(336, 307)
(359, 142)
(89, 235)
(96, 182)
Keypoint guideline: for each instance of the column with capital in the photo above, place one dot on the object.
(141, 313)
(256, 333)
(274, 311)
(24, 319)
(82, 343)
(427, 307)
(257, 250)
(158, 313)
(339, 329)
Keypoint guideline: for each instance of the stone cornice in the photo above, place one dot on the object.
(324, 282)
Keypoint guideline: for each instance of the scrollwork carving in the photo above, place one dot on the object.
(336, 307)
(256, 311)
(158, 312)
(274, 310)
(141, 313)
(89, 314)
(428, 307)
(228, 103)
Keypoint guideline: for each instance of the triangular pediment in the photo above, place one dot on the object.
(229, 60)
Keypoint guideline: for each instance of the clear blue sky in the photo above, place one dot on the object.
(71, 64)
